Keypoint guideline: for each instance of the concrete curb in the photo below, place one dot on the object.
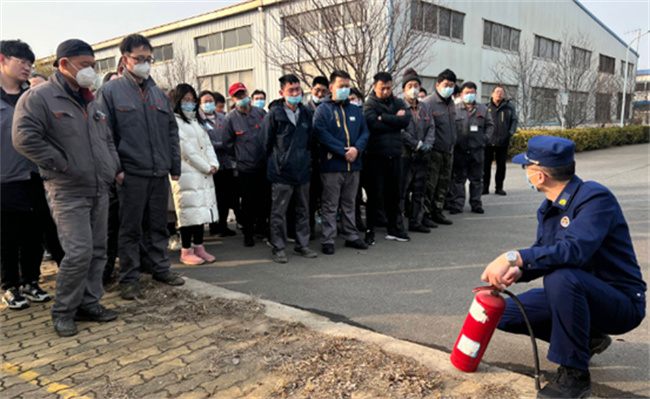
(523, 386)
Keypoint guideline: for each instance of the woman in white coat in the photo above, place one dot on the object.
(194, 197)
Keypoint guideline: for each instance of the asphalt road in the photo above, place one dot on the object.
(421, 290)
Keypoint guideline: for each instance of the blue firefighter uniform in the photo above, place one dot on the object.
(592, 281)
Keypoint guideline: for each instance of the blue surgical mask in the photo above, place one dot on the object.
(445, 92)
(342, 93)
(259, 103)
(357, 103)
(244, 102)
(208, 108)
(469, 98)
(294, 100)
(189, 107)
(531, 185)
(316, 100)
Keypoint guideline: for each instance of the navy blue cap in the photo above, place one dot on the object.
(71, 48)
(547, 151)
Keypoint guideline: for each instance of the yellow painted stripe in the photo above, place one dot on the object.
(34, 378)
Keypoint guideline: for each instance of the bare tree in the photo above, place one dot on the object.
(361, 37)
(181, 69)
(575, 74)
(524, 71)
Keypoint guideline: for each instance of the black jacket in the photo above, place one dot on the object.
(288, 146)
(505, 123)
(385, 134)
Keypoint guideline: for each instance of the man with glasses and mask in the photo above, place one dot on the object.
(61, 129)
(146, 136)
(592, 282)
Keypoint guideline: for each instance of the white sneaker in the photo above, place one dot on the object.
(174, 243)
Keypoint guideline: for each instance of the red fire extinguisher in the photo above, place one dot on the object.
(484, 315)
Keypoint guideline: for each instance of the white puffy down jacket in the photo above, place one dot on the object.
(194, 196)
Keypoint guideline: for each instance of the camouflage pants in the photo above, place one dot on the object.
(438, 181)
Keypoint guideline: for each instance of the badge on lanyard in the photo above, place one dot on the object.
(565, 222)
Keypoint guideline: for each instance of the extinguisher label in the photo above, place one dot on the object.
(478, 312)
(467, 346)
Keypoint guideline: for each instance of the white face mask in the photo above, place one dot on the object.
(142, 70)
(412, 93)
(85, 76)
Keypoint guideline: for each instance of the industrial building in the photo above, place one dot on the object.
(642, 97)
(475, 39)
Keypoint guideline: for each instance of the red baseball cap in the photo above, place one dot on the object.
(235, 88)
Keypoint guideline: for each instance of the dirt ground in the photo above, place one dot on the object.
(252, 355)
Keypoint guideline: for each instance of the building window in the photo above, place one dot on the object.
(488, 88)
(325, 18)
(580, 58)
(225, 40)
(628, 105)
(221, 82)
(500, 36)
(544, 102)
(105, 65)
(640, 86)
(603, 107)
(163, 53)
(444, 22)
(606, 64)
(630, 69)
(576, 110)
(546, 48)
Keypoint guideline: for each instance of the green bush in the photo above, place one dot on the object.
(585, 139)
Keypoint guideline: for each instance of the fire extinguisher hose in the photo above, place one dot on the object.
(530, 332)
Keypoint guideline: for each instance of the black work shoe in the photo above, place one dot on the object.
(419, 229)
(328, 249)
(356, 244)
(249, 241)
(454, 211)
(225, 232)
(478, 209)
(441, 219)
(14, 299)
(499, 191)
(426, 222)
(34, 293)
(485, 192)
(305, 252)
(130, 292)
(170, 279)
(65, 326)
(370, 238)
(598, 345)
(400, 236)
(279, 257)
(567, 383)
(95, 313)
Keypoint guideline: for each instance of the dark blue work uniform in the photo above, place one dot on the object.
(592, 281)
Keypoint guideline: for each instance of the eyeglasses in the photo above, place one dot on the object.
(23, 63)
(142, 59)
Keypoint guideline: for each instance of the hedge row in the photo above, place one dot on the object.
(585, 139)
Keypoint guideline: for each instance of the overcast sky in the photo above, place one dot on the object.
(44, 24)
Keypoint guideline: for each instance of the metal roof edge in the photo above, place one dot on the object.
(611, 32)
(233, 9)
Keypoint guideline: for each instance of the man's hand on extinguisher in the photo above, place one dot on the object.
(500, 274)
